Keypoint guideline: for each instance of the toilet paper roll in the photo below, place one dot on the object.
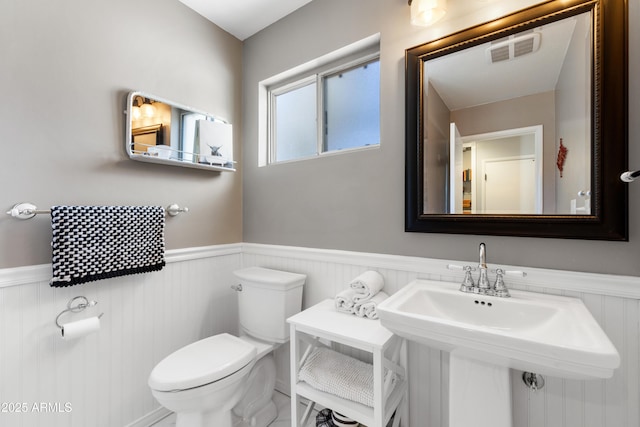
(81, 328)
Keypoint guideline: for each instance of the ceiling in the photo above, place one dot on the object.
(529, 74)
(244, 18)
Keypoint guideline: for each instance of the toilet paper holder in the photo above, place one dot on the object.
(76, 305)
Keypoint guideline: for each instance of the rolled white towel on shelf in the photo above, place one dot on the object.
(368, 308)
(344, 301)
(367, 285)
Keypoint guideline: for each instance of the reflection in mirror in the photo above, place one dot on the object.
(519, 126)
(498, 172)
(539, 78)
(161, 131)
(144, 138)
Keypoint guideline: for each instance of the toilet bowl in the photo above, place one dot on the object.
(225, 380)
(204, 380)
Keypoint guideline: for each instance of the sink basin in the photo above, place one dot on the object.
(540, 333)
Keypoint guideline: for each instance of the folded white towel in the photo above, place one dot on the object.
(332, 372)
(344, 301)
(368, 308)
(367, 285)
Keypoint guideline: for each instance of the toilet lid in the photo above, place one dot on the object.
(202, 362)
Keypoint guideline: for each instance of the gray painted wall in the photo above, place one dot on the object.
(66, 69)
(355, 201)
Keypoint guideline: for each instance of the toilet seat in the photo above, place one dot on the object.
(262, 347)
(202, 362)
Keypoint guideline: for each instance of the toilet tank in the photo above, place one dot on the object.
(268, 297)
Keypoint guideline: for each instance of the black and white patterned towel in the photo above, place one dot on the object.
(98, 242)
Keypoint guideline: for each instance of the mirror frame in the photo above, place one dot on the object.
(609, 195)
(130, 132)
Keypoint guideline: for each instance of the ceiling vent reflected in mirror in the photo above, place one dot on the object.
(513, 47)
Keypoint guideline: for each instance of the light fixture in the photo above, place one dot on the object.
(135, 109)
(142, 108)
(427, 12)
(147, 109)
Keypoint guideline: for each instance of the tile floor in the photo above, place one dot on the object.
(284, 414)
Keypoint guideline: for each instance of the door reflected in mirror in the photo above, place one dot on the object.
(497, 173)
(539, 78)
(161, 131)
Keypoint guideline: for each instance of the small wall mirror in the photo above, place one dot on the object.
(519, 126)
(162, 131)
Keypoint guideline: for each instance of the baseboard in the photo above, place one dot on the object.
(151, 418)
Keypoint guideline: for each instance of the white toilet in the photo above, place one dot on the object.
(228, 381)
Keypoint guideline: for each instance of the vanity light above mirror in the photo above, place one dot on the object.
(165, 132)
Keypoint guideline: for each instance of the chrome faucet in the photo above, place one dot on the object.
(500, 289)
(484, 286)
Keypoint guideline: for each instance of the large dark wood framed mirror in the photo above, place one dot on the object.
(518, 127)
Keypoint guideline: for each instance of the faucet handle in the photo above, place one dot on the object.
(467, 283)
(455, 267)
(460, 267)
(515, 273)
(500, 288)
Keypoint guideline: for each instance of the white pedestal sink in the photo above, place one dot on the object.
(487, 336)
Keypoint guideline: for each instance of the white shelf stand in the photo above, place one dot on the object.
(323, 323)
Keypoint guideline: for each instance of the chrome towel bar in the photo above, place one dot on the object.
(29, 210)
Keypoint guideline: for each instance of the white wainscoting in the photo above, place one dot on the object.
(104, 376)
(613, 300)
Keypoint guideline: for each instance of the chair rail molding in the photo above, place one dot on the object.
(17, 276)
(436, 269)
(428, 268)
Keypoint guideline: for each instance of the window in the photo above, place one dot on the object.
(352, 108)
(330, 108)
(293, 116)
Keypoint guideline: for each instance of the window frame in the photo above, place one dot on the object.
(273, 93)
(316, 75)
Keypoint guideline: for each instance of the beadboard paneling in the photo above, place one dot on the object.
(613, 300)
(103, 376)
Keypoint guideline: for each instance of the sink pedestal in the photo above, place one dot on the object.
(479, 393)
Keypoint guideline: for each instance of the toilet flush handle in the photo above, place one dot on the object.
(237, 288)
